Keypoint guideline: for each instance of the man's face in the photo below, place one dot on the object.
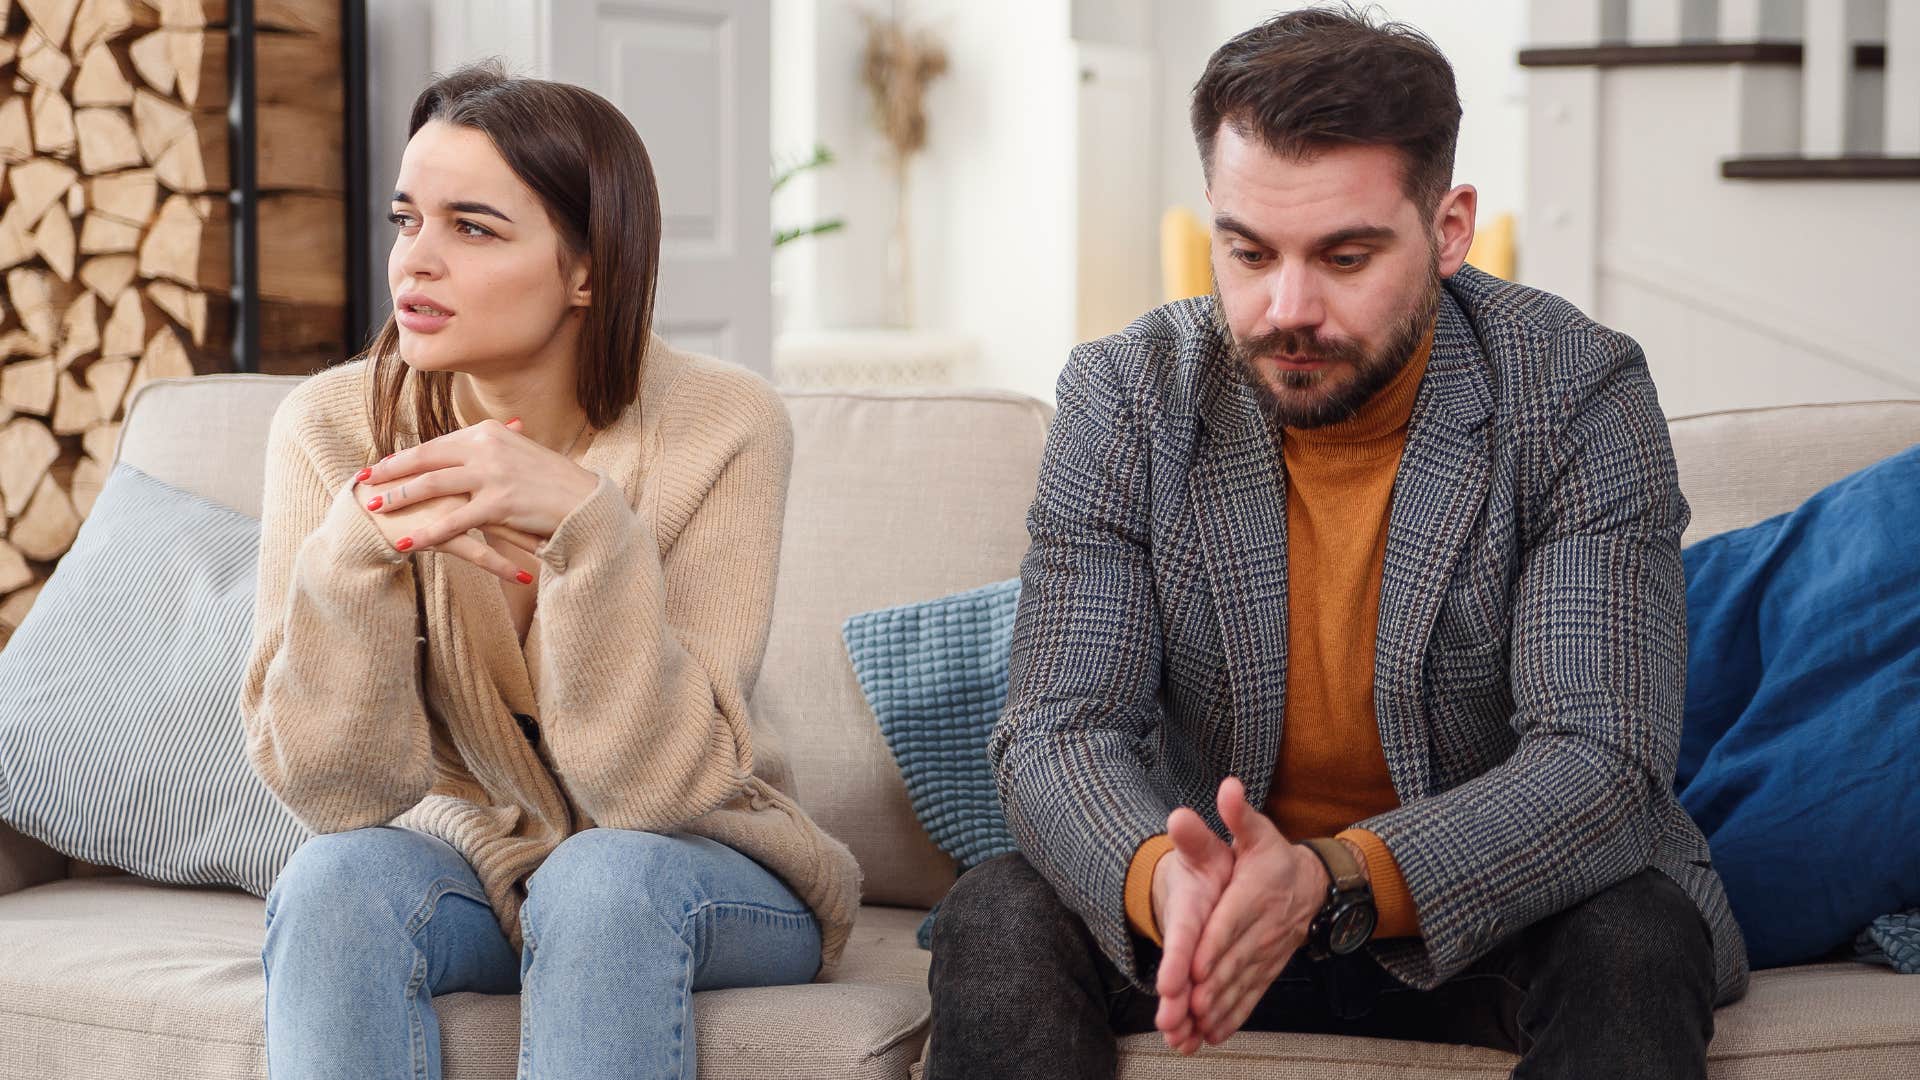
(1325, 272)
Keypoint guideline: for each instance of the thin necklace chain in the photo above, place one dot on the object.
(585, 427)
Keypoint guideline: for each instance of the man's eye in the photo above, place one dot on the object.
(399, 219)
(1246, 257)
(1347, 262)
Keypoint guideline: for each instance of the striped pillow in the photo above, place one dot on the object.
(120, 733)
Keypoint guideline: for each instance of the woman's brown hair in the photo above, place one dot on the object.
(586, 164)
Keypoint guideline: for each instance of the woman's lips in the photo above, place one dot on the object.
(420, 322)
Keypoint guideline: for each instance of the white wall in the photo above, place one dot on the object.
(995, 205)
(1746, 293)
(838, 279)
(398, 62)
(994, 202)
(407, 42)
(1743, 293)
(992, 207)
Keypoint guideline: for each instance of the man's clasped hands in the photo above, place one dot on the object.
(1230, 917)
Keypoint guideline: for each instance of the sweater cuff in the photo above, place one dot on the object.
(601, 521)
(1140, 886)
(354, 530)
(1391, 900)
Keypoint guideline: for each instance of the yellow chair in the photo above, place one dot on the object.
(1492, 248)
(1184, 269)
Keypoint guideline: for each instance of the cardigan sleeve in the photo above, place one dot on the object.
(647, 657)
(331, 695)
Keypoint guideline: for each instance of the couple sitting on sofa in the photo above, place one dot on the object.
(1348, 670)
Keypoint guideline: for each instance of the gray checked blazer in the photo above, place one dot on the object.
(1530, 668)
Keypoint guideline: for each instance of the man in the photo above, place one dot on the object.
(1366, 568)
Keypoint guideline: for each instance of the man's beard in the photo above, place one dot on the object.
(1372, 371)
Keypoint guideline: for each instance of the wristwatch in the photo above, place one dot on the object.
(1346, 920)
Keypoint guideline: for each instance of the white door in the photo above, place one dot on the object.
(1119, 221)
(693, 77)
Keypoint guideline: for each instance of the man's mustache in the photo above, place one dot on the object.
(1296, 343)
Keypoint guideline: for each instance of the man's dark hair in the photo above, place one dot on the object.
(1312, 79)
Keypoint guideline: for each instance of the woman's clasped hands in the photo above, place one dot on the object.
(471, 492)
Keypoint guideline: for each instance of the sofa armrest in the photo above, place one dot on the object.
(26, 862)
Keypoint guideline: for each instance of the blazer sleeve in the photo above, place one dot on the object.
(1074, 742)
(647, 658)
(331, 696)
(1598, 675)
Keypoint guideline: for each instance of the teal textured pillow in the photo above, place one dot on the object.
(935, 674)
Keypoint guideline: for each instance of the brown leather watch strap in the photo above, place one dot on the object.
(1342, 867)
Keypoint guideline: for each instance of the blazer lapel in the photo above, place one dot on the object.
(1239, 499)
(1437, 497)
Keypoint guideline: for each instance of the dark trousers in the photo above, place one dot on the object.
(1620, 985)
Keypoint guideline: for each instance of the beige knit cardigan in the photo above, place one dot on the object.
(382, 686)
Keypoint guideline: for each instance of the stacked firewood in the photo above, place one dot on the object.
(115, 244)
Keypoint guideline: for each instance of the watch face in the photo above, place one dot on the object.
(1352, 926)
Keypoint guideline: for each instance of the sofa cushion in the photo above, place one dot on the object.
(207, 434)
(120, 733)
(895, 497)
(1799, 1023)
(1823, 1020)
(113, 977)
(1746, 465)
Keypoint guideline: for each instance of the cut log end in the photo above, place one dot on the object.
(46, 528)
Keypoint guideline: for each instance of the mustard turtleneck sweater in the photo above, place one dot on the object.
(1332, 770)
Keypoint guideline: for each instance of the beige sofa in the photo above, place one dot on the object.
(895, 497)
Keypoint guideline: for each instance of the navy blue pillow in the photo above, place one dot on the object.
(1800, 756)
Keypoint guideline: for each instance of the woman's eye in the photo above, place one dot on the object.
(476, 229)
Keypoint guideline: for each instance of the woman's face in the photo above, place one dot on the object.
(480, 279)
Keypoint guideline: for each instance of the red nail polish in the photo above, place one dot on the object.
(376, 502)
(405, 543)
(524, 578)
(361, 476)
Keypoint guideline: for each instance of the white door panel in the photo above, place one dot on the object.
(693, 76)
(1118, 221)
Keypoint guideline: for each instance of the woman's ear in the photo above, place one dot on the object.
(579, 289)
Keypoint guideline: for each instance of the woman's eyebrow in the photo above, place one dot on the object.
(460, 207)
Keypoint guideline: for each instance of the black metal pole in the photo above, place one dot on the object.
(244, 197)
(353, 67)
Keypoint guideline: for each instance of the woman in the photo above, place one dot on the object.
(516, 571)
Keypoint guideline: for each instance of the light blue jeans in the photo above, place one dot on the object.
(620, 928)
